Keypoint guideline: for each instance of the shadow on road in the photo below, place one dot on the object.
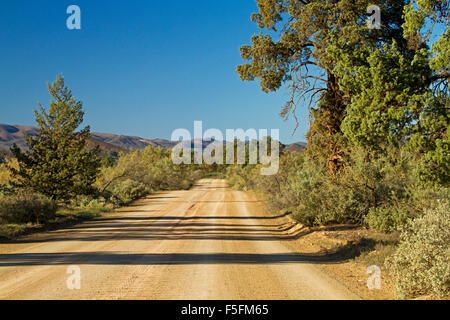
(100, 234)
(120, 258)
(173, 228)
(146, 227)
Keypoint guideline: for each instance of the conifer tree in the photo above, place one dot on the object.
(58, 163)
(299, 51)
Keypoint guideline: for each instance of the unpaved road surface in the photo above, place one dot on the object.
(205, 243)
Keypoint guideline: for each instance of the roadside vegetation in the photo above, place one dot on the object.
(378, 147)
(378, 153)
(61, 179)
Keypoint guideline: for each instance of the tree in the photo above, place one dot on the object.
(58, 163)
(400, 97)
(304, 57)
(422, 19)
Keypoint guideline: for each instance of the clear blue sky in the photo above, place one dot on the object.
(141, 68)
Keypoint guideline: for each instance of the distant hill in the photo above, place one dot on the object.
(14, 134)
(296, 147)
(10, 135)
(109, 143)
(132, 142)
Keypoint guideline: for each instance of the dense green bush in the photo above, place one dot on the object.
(421, 262)
(276, 188)
(325, 200)
(377, 190)
(89, 202)
(240, 177)
(305, 188)
(386, 219)
(26, 207)
(127, 191)
(143, 171)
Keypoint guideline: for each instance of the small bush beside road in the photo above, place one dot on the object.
(421, 263)
(24, 207)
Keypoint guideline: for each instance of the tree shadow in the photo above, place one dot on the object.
(100, 233)
(159, 218)
(123, 258)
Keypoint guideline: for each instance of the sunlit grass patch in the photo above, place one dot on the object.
(65, 216)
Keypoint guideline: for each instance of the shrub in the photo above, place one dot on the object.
(239, 177)
(26, 207)
(343, 198)
(88, 202)
(128, 190)
(142, 171)
(97, 203)
(421, 263)
(5, 173)
(185, 184)
(387, 219)
(374, 189)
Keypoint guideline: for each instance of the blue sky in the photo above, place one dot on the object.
(141, 68)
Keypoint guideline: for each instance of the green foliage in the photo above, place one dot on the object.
(240, 177)
(343, 198)
(435, 166)
(398, 91)
(6, 178)
(26, 207)
(386, 219)
(89, 202)
(12, 230)
(370, 88)
(127, 190)
(318, 45)
(143, 171)
(378, 146)
(58, 163)
(421, 262)
(308, 29)
(387, 97)
(371, 190)
(441, 48)
(391, 105)
(421, 16)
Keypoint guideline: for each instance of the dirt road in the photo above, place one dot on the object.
(206, 243)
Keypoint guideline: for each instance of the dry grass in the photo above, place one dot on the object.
(65, 216)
